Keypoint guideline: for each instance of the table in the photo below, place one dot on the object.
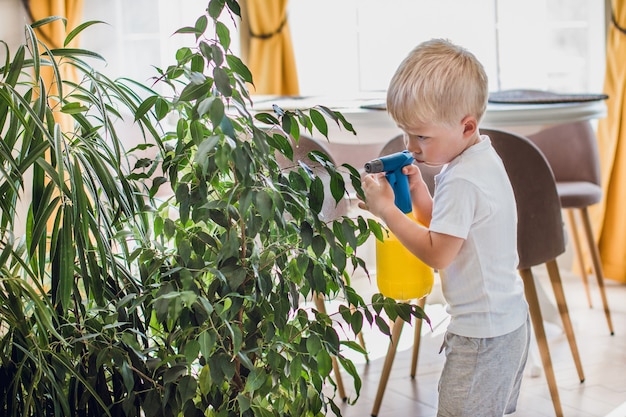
(375, 127)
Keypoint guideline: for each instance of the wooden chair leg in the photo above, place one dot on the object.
(338, 379)
(540, 334)
(321, 307)
(559, 296)
(360, 337)
(416, 339)
(597, 265)
(396, 331)
(580, 256)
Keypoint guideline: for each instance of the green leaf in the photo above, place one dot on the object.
(337, 187)
(145, 106)
(161, 108)
(338, 118)
(65, 260)
(316, 195)
(75, 52)
(356, 322)
(349, 233)
(216, 113)
(16, 67)
(193, 92)
(313, 344)
(187, 29)
(382, 325)
(48, 20)
(227, 127)
(318, 245)
(263, 203)
(222, 81)
(233, 5)
(223, 34)
(324, 363)
(239, 67)
(197, 132)
(73, 108)
(217, 55)
(78, 29)
(201, 25)
(391, 309)
(266, 118)
(192, 350)
(184, 250)
(207, 340)
(187, 387)
(205, 381)
(215, 8)
(256, 379)
(376, 228)
(319, 122)
(127, 376)
(174, 373)
(197, 67)
(205, 105)
(244, 403)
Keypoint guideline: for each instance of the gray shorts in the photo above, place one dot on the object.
(482, 377)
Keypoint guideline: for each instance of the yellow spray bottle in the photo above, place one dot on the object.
(400, 274)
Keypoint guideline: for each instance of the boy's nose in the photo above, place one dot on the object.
(413, 147)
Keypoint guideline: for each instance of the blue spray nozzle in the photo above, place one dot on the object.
(392, 165)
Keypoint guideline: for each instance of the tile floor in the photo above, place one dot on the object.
(603, 393)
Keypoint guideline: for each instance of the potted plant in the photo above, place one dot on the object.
(116, 303)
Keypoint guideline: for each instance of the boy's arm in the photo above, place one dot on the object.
(436, 249)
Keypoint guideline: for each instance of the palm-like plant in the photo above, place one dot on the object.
(115, 304)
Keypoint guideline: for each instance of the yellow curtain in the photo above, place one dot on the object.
(269, 51)
(54, 34)
(609, 216)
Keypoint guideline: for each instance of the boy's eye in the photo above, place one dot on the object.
(417, 137)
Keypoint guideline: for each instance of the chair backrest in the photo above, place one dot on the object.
(428, 172)
(572, 151)
(540, 229)
(306, 144)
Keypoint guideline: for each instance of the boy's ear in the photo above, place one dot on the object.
(470, 126)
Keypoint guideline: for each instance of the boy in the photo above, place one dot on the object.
(438, 96)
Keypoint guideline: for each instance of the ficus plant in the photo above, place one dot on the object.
(117, 301)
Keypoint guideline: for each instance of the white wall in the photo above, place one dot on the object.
(13, 19)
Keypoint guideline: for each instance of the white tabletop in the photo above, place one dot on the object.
(375, 127)
(498, 115)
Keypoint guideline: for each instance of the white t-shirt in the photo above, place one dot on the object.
(474, 200)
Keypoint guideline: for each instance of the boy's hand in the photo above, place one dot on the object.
(414, 175)
(420, 194)
(379, 195)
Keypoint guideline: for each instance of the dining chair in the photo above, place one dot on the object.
(301, 149)
(331, 210)
(540, 238)
(572, 152)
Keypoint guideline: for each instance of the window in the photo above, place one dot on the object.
(139, 34)
(352, 47)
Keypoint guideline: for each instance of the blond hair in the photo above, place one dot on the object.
(440, 83)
